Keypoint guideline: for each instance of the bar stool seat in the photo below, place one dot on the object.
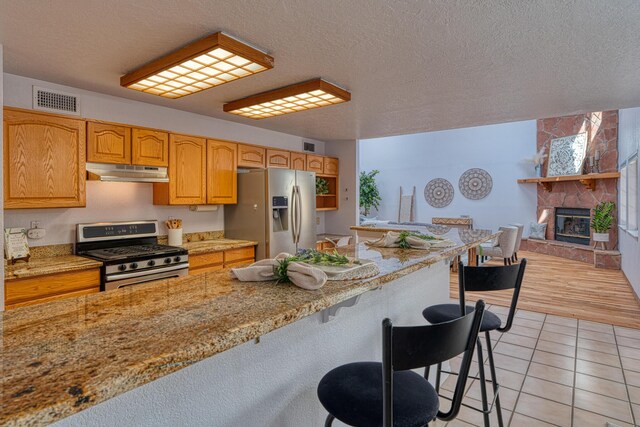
(353, 394)
(446, 312)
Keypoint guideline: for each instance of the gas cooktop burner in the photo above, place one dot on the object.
(120, 252)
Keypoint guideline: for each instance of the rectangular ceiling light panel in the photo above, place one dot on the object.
(208, 62)
(291, 99)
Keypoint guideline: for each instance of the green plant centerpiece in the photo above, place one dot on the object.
(369, 193)
(322, 186)
(602, 221)
(312, 257)
(402, 239)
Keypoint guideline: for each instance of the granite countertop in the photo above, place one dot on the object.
(215, 245)
(48, 265)
(62, 357)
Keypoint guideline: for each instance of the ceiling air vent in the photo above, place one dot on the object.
(55, 101)
(309, 147)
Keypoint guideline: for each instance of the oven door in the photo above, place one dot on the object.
(121, 280)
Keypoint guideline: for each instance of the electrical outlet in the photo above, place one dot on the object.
(35, 224)
(36, 233)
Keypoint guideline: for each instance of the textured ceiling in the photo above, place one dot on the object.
(412, 66)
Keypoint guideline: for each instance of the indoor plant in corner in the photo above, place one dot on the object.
(369, 194)
(602, 221)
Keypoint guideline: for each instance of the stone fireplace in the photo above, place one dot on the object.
(573, 225)
(568, 234)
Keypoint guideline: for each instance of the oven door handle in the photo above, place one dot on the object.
(146, 272)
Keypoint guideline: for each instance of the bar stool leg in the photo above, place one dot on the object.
(494, 379)
(438, 372)
(329, 421)
(483, 386)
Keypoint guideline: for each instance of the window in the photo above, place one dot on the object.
(622, 206)
(628, 204)
(632, 194)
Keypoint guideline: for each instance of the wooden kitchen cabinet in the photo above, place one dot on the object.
(44, 160)
(149, 147)
(315, 163)
(108, 143)
(251, 156)
(214, 261)
(278, 158)
(331, 166)
(187, 173)
(39, 289)
(222, 172)
(298, 161)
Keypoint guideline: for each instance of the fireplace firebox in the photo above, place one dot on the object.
(573, 225)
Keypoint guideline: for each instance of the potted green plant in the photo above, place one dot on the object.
(602, 221)
(369, 194)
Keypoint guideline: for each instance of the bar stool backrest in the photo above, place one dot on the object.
(411, 347)
(492, 278)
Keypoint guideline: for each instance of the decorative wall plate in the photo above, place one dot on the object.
(566, 155)
(475, 184)
(438, 192)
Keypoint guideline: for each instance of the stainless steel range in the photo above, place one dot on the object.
(130, 253)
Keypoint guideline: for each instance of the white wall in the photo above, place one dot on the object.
(109, 201)
(629, 143)
(410, 160)
(339, 221)
(1, 187)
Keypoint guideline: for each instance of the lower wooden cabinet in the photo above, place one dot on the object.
(213, 261)
(36, 290)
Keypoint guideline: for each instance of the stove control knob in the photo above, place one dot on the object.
(122, 267)
(133, 266)
(167, 260)
(177, 259)
(151, 263)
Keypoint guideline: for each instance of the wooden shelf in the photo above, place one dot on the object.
(325, 195)
(326, 209)
(589, 181)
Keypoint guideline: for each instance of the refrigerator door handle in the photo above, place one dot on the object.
(294, 204)
(298, 213)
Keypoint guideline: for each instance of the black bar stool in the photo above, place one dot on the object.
(481, 279)
(389, 394)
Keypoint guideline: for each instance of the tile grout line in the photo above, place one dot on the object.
(624, 378)
(575, 374)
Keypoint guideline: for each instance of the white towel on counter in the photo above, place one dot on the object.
(301, 275)
(391, 239)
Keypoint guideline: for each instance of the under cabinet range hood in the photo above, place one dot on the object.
(126, 173)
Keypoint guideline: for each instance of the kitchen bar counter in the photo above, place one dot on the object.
(48, 265)
(61, 358)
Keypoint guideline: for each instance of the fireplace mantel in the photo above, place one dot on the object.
(589, 180)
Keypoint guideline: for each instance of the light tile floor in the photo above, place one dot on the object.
(557, 371)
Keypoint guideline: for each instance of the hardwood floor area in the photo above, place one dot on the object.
(568, 288)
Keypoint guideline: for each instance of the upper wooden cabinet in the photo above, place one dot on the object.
(108, 143)
(222, 168)
(251, 156)
(44, 160)
(298, 161)
(315, 163)
(149, 147)
(187, 173)
(277, 158)
(331, 166)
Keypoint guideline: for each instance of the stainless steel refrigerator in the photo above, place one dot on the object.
(276, 208)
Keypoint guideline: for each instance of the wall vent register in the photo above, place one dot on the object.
(55, 101)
